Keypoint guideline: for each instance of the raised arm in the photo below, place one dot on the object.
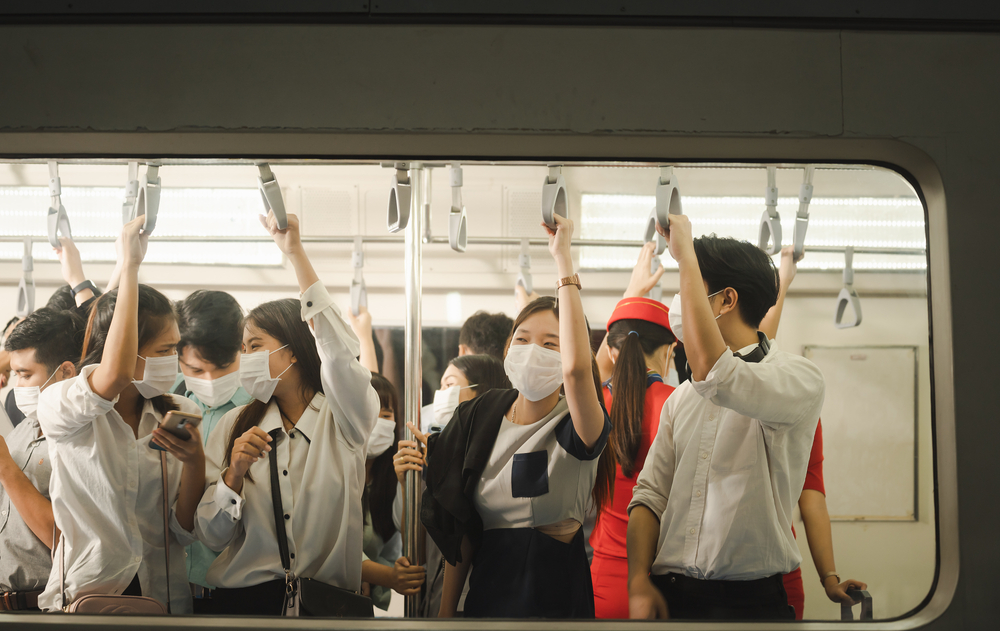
(117, 367)
(72, 268)
(361, 324)
(786, 274)
(574, 342)
(346, 383)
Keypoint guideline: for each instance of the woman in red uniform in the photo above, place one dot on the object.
(640, 343)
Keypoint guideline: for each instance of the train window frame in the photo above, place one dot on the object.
(904, 159)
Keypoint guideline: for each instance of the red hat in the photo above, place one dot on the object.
(641, 309)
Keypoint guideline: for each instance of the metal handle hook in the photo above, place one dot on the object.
(458, 228)
(802, 216)
(668, 197)
(770, 221)
(848, 297)
(554, 197)
(26, 286)
(524, 260)
(398, 216)
(359, 291)
(57, 219)
(270, 193)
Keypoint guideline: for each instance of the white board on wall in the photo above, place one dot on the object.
(869, 431)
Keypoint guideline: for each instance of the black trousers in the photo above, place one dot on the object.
(265, 599)
(696, 599)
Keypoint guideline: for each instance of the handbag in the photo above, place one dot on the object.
(116, 604)
(307, 597)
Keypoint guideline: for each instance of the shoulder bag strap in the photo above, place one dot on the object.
(166, 523)
(279, 520)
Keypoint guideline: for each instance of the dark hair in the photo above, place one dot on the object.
(9, 322)
(211, 322)
(56, 335)
(486, 372)
(726, 262)
(604, 485)
(380, 494)
(282, 320)
(634, 339)
(486, 333)
(62, 299)
(681, 364)
(155, 312)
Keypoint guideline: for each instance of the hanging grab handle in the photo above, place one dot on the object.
(863, 597)
(142, 195)
(654, 236)
(58, 220)
(26, 286)
(131, 192)
(848, 296)
(524, 260)
(554, 197)
(802, 216)
(458, 227)
(770, 221)
(668, 199)
(399, 200)
(270, 193)
(359, 291)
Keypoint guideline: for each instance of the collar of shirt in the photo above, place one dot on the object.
(306, 425)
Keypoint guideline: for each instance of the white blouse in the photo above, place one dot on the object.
(106, 492)
(538, 474)
(321, 464)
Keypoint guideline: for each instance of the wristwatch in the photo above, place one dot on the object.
(569, 280)
(87, 284)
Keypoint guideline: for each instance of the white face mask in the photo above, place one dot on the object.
(158, 376)
(26, 397)
(383, 436)
(534, 371)
(674, 316)
(214, 392)
(446, 402)
(255, 374)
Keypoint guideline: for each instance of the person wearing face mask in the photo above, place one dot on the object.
(107, 486)
(43, 349)
(511, 476)
(211, 329)
(640, 344)
(384, 568)
(466, 377)
(709, 531)
(9, 413)
(313, 412)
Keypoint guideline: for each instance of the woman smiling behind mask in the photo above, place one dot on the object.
(510, 478)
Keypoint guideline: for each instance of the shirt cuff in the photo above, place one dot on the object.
(650, 500)
(315, 300)
(228, 500)
(721, 371)
(183, 536)
(95, 403)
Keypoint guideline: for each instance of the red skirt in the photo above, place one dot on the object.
(610, 577)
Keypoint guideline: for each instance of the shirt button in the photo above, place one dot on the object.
(233, 501)
(287, 516)
(698, 494)
(292, 555)
(691, 531)
(704, 456)
(309, 304)
(285, 472)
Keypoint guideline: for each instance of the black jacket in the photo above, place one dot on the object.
(456, 459)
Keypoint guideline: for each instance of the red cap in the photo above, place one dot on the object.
(641, 309)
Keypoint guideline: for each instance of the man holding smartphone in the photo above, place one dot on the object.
(42, 349)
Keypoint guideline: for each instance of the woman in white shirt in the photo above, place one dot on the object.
(314, 411)
(106, 483)
(510, 478)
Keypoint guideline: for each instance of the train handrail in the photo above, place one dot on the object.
(861, 597)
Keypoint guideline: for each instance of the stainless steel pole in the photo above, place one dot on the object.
(413, 380)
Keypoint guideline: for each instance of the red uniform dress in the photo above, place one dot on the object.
(814, 481)
(609, 569)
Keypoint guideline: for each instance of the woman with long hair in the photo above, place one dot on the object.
(510, 478)
(102, 427)
(640, 342)
(314, 411)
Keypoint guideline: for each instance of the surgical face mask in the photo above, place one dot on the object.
(446, 402)
(26, 397)
(383, 436)
(214, 392)
(158, 376)
(674, 316)
(534, 371)
(255, 374)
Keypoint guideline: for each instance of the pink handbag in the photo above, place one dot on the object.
(118, 605)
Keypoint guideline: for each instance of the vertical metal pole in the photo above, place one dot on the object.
(412, 373)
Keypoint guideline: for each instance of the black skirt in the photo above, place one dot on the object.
(522, 573)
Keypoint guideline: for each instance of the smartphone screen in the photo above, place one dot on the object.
(177, 423)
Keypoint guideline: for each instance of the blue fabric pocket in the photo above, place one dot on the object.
(529, 474)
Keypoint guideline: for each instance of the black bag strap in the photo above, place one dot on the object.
(279, 519)
(166, 523)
